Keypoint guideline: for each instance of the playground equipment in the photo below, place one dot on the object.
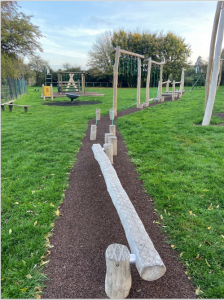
(72, 96)
(220, 73)
(47, 77)
(118, 52)
(47, 92)
(214, 62)
(198, 76)
(118, 258)
(71, 81)
(154, 78)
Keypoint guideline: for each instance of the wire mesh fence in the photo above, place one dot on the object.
(12, 89)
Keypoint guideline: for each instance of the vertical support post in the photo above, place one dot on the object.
(220, 74)
(161, 81)
(43, 91)
(112, 129)
(148, 80)
(212, 51)
(25, 108)
(182, 82)
(167, 86)
(108, 148)
(139, 82)
(98, 114)
(52, 98)
(93, 131)
(213, 84)
(173, 91)
(83, 83)
(113, 140)
(115, 80)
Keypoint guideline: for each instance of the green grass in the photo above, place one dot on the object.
(182, 167)
(39, 150)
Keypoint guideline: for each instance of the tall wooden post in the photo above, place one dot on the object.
(167, 86)
(148, 80)
(161, 81)
(215, 70)
(173, 91)
(83, 83)
(51, 89)
(212, 50)
(182, 82)
(115, 80)
(220, 73)
(139, 82)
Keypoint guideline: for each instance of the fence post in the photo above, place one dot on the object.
(173, 91)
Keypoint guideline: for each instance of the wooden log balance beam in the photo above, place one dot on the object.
(148, 262)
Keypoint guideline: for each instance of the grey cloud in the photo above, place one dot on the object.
(99, 20)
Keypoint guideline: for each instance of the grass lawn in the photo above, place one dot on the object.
(182, 167)
(178, 161)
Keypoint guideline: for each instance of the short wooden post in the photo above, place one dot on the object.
(93, 132)
(148, 80)
(118, 273)
(83, 83)
(212, 50)
(106, 137)
(115, 79)
(113, 140)
(3, 107)
(167, 85)
(139, 82)
(173, 91)
(98, 114)
(140, 106)
(112, 129)
(25, 109)
(10, 107)
(108, 148)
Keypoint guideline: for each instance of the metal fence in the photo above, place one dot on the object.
(12, 89)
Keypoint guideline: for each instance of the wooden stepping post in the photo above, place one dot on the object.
(112, 129)
(3, 107)
(93, 132)
(108, 148)
(10, 107)
(106, 136)
(113, 140)
(118, 274)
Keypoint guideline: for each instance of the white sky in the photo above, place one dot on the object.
(71, 27)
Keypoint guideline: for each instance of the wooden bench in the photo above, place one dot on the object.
(11, 106)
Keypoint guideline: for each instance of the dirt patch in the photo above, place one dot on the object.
(72, 103)
(221, 115)
(89, 223)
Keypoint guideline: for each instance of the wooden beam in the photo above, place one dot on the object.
(158, 63)
(215, 70)
(128, 52)
(212, 51)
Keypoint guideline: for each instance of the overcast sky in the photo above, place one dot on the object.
(71, 27)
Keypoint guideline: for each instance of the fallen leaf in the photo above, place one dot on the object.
(37, 296)
(198, 291)
(222, 235)
(23, 290)
(217, 206)
(207, 263)
(168, 197)
(35, 223)
(16, 202)
(161, 217)
(205, 190)
(29, 276)
(189, 278)
(181, 254)
(202, 195)
(10, 231)
(52, 204)
(209, 227)
(172, 246)
(52, 174)
(190, 212)
(198, 256)
(52, 224)
(186, 272)
(57, 212)
(44, 262)
(24, 262)
(207, 242)
(33, 192)
(37, 288)
(16, 282)
(210, 207)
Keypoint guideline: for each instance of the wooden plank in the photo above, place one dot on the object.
(128, 52)
(158, 63)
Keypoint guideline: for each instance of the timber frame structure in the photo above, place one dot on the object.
(65, 85)
(119, 51)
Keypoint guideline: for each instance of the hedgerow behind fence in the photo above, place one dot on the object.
(12, 89)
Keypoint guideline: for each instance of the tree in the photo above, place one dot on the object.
(37, 64)
(19, 38)
(100, 57)
(71, 68)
